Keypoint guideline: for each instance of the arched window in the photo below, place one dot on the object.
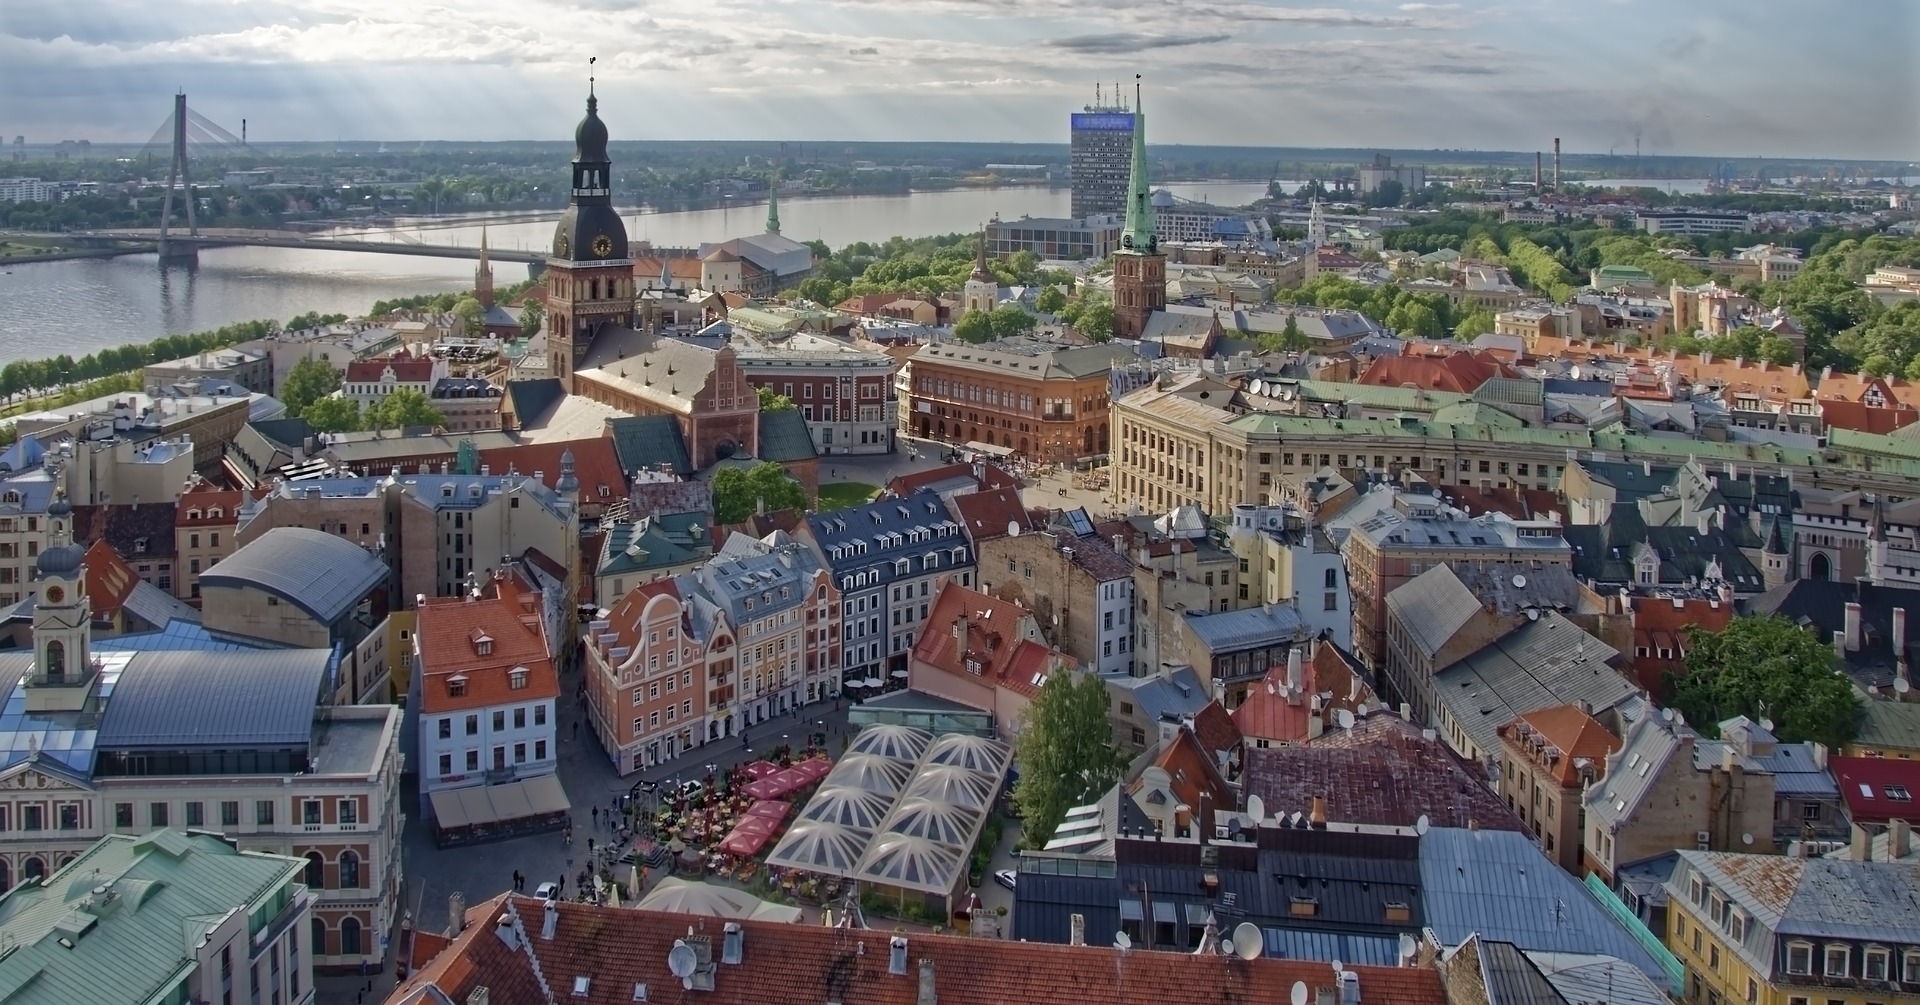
(56, 659)
(6, 876)
(319, 936)
(1821, 567)
(33, 868)
(349, 870)
(350, 936)
(316, 871)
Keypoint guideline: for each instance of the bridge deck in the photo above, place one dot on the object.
(294, 239)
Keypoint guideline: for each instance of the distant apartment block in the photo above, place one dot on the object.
(1102, 145)
(1676, 222)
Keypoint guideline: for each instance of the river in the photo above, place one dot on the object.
(76, 307)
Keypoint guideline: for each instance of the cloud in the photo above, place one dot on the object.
(1414, 7)
(1117, 42)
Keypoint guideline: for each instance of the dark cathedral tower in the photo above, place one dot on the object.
(589, 276)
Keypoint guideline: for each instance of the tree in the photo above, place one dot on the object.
(738, 492)
(1767, 667)
(974, 326)
(1414, 319)
(308, 381)
(1050, 300)
(403, 409)
(333, 415)
(1096, 320)
(1065, 751)
(1389, 193)
(1009, 320)
(469, 310)
(532, 314)
(773, 401)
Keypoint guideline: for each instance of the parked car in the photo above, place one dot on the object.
(547, 891)
(1006, 878)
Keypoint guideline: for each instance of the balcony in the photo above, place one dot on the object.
(296, 905)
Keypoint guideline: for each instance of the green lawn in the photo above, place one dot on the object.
(840, 495)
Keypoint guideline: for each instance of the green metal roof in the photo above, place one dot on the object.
(648, 441)
(1889, 724)
(784, 436)
(135, 943)
(1474, 413)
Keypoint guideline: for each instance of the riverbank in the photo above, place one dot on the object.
(8, 258)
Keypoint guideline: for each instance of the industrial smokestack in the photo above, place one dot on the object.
(1536, 170)
(1556, 164)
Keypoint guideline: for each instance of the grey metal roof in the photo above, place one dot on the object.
(1255, 627)
(1432, 606)
(1544, 663)
(1812, 897)
(157, 607)
(1499, 884)
(1510, 977)
(1299, 944)
(746, 570)
(320, 573)
(1635, 768)
(1180, 693)
(858, 533)
(1792, 765)
(265, 698)
(784, 436)
(1590, 977)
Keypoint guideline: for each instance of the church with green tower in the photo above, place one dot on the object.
(1139, 268)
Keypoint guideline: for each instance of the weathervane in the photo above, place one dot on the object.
(590, 61)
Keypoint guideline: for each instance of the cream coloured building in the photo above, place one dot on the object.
(269, 765)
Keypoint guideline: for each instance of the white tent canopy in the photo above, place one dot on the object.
(941, 823)
(899, 743)
(974, 753)
(681, 896)
(847, 806)
(947, 783)
(818, 846)
(870, 772)
(911, 863)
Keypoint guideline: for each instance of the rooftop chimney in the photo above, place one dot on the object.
(927, 995)
(1556, 163)
(1318, 817)
(1900, 643)
(1860, 849)
(504, 929)
(480, 996)
(456, 914)
(1294, 685)
(1853, 626)
(1899, 837)
(897, 956)
(1840, 645)
(1076, 930)
(549, 921)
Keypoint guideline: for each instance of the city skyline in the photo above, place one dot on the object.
(1707, 80)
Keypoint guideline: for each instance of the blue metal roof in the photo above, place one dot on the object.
(1252, 628)
(1366, 950)
(265, 698)
(175, 637)
(66, 738)
(1499, 884)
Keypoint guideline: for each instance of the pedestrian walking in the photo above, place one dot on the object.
(589, 846)
(516, 881)
(596, 814)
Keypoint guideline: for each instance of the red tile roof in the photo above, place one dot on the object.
(1383, 771)
(1837, 413)
(992, 476)
(595, 464)
(1214, 727)
(1027, 670)
(1267, 714)
(985, 516)
(204, 499)
(617, 949)
(480, 641)
(1192, 770)
(1574, 733)
(1460, 372)
(1874, 786)
(1659, 623)
(684, 269)
(993, 629)
(110, 580)
(406, 370)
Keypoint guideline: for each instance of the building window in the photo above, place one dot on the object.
(157, 814)
(446, 765)
(1877, 962)
(230, 813)
(349, 811)
(316, 878)
(70, 816)
(446, 728)
(539, 750)
(539, 715)
(123, 815)
(516, 679)
(499, 720)
(263, 813)
(1838, 958)
(349, 870)
(473, 725)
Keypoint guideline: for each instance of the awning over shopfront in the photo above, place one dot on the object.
(479, 812)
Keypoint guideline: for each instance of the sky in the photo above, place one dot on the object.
(1813, 78)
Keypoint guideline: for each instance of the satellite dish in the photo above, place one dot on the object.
(1246, 940)
(1256, 808)
(1338, 968)
(1533, 613)
(1299, 995)
(1422, 825)
(1667, 714)
(1901, 686)
(1746, 839)
(1122, 940)
(681, 959)
(1013, 528)
(1407, 946)
(1519, 581)
(1766, 724)
(1360, 710)
(1344, 718)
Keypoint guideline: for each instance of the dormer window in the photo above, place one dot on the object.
(193, 514)
(140, 546)
(214, 512)
(1839, 961)
(482, 642)
(517, 678)
(457, 685)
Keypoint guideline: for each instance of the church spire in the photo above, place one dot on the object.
(1139, 237)
(773, 208)
(980, 272)
(483, 274)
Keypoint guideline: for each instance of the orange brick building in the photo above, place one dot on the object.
(1043, 401)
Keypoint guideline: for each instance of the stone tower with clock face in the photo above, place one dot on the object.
(589, 276)
(62, 616)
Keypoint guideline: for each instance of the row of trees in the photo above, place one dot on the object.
(308, 393)
(1420, 315)
(34, 375)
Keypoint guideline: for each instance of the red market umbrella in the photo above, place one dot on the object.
(765, 788)
(813, 768)
(751, 835)
(772, 809)
(791, 780)
(760, 769)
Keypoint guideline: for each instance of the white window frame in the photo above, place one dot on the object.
(1846, 960)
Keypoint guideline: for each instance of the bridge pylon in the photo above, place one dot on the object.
(170, 251)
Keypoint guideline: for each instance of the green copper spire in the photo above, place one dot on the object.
(1139, 237)
(773, 208)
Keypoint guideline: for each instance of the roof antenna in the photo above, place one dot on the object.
(1137, 106)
